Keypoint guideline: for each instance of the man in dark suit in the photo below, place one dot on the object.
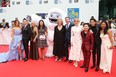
(26, 34)
(68, 26)
(87, 45)
(97, 44)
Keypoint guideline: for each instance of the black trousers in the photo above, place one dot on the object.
(25, 43)
(66, 50)
(96, 54)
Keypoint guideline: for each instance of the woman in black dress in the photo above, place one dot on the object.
(34, 44)
(59, 40)
(42, 38)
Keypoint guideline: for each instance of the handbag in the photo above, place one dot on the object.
(42, 37)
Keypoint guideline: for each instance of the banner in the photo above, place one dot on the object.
(73, 13)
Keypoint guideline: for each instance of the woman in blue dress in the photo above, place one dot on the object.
(15, 47)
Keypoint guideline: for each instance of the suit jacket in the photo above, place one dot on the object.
(26, 32)
(68, 33)
(88, 41)
(96, 34)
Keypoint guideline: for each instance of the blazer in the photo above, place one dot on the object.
(68, 33)
(88, 41)
(26, 32)
(96, 34)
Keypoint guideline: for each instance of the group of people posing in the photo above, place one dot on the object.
(71, 40)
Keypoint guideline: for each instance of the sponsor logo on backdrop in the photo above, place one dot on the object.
(73, 13)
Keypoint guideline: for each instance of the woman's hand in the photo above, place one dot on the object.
(112, 47)
(91, 31)
(34, 40)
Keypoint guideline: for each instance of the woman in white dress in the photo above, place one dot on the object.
(106, 48)
(76, 42)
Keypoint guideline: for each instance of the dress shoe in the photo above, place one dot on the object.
(82, 66)
(97, 69)
(65, 60)
(93, 67)
(26, 59)
(86, 69)
(70, 61)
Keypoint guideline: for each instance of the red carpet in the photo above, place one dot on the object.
(49, 68)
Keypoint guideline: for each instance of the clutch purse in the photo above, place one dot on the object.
(108, 46)
(42, 37)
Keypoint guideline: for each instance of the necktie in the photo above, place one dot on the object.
(66, 26)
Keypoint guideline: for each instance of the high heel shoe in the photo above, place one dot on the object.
(76, 65)
(60, 60)
(21, 59)
(56, 59)
(42, 58)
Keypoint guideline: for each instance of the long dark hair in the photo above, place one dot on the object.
(16, 22)
(43, 26)
(106, 28)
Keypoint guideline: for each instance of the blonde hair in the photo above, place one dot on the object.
(59, 20)
(76, 19)
(35, 27)
(33, 23)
